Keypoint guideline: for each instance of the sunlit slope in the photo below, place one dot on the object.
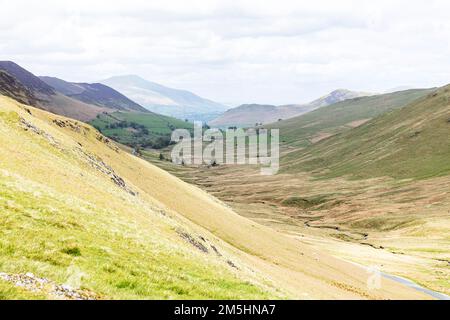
(70, 200)
(326, 121)
(64, 210)
(411, 142)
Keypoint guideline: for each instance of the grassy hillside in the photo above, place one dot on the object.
(326, 121)
(121, 244)
(400, 226)
(77, 210)
(411, 142)
(139, 129)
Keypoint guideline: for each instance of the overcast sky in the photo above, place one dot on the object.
(274, 52)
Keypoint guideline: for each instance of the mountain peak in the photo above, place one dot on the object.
(336, 96)
(161, 99)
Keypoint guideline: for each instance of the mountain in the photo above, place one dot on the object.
(337, 96)
(79, 211)
(95, 94)
(250, 114)
(164, 100)
(322, 123)
(115, 115)
(247, 115)
(410, 142)
(25, 77)
(21, 84)
(11, 87)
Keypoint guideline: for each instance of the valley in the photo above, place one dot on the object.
(363, 187)
(135, 231)
(225, 159)
(400, 227)
(377, 194)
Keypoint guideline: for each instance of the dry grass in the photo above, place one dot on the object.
(70, 199)
(401, 226)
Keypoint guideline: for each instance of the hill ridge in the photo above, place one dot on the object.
(94, 93)
(409, 142)
(251, 114)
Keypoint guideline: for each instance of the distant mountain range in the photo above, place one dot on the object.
(251, 114)
(96, 93)
(165, 100)
(20, 83)
(78, 101)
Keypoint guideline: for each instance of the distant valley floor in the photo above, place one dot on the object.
(401, 227)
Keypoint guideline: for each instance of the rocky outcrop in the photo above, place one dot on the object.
(30, 282)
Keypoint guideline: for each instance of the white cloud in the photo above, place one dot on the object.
(268, 52)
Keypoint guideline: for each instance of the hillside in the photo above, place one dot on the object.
(139, 129)
(411, 142)
(29, 80)
(134, 231)
(95, 94)
(11, 87)
(25, 86)
(250, 114)
(164, 100)
(324, 122)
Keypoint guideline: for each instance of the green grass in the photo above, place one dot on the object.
(48, 235)
(386, 223)
(60, 215)
(10, 292)
(298, 131)
(158, 128)
(411, 142)
(305, 203)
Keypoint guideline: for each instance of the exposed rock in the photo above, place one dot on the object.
(28, 126)
(216, 251)
(68, 124)
(108, 142)
(101, 166)
(231, 264)
(186, 236)
(33, 283)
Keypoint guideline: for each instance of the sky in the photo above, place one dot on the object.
(271, 52)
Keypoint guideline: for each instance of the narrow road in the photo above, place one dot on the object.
(411, 284)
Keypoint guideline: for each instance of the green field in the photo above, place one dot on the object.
(139, 129)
